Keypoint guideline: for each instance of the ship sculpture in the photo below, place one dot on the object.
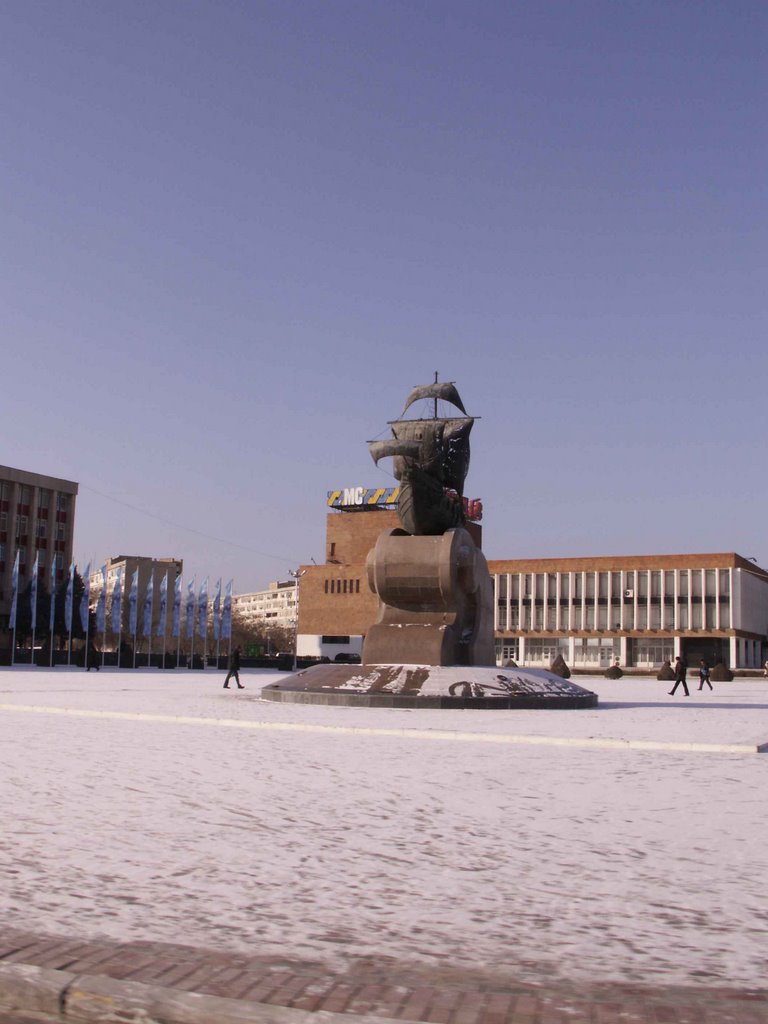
(432, 582)
(430, 460)
(432, 643)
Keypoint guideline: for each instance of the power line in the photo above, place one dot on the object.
(189, 529)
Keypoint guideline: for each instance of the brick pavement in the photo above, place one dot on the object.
(384, 987)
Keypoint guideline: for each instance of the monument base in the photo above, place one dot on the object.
(429, 686)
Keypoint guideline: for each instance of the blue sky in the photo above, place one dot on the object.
(234, 235)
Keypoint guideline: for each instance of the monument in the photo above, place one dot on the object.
(432, 643)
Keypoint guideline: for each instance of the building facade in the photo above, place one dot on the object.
(37, 519)
(639, 609)
(120, 570)
(273, 608)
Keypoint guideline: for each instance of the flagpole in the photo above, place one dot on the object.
(151, 609)
(34, 620)
(53, 603)
(71, 610)
(178, 638)
(87, 628)
(229, 650)
(14, 603)
(120, 630)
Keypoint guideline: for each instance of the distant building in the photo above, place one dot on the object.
(271, 608)
(641, 609)
(37, 516)
(148, 568)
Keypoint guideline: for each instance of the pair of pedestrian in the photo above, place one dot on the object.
(681, 668)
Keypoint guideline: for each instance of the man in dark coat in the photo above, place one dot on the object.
(680, 667)
(233, 669)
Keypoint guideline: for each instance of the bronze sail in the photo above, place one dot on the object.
(431, 460)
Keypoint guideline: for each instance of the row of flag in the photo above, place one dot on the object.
(195, 607)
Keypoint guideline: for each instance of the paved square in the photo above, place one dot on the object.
(157, 806)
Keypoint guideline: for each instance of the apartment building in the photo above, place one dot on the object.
(120, 570)
(37, 519)
(273, 607)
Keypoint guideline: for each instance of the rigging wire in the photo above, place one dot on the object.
(189, 529)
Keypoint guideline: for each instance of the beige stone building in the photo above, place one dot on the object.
(124, 566)
(37, 517)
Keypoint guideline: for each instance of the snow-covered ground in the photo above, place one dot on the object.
(160, 806)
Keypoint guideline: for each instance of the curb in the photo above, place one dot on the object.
(94, 999)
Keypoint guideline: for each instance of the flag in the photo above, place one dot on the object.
(101, 604)
(226, 618)
(132, 602)
(53, 593)
(14, 592)
(85, 600)
(217, 612)
(189, 611)
(161, 621)
(146, 623)
(68, 599)
(33, 591)
(176, 624)
(202, 607)
(116, 609)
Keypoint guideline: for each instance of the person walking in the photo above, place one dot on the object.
(233, 669)
(680, 668)
(92, 658)
(704, 675)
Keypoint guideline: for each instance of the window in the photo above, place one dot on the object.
(44, 499)
(62, 502)
(502, 586)
(510, 650)
(40, 528)
(3, 521)
(24, 496)
(652, 651)
(5, 490)
(22, 526)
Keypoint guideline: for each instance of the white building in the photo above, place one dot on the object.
(640, 609)
(271, 608)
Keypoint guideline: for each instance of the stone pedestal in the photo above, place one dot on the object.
(435, 601)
